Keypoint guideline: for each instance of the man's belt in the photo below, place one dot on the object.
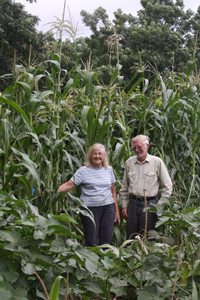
(140, 198)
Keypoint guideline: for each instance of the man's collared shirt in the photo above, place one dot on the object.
(145, 178)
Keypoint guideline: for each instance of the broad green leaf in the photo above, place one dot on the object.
(42, 260)
(29, 269)
(58, 246)
(33, 209)
(10, 276)
(7, 295)
(65, 218)
(39, 235)
(115, 250)
(16, 249)
(54, 226)
(153, 293)
(186, 270)
(10, 236)
(116, 281)
(92, 285)
(90, 258)
(161, 221)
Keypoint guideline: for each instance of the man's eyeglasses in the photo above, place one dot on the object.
(137, 147)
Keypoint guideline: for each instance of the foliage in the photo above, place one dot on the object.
(163, 35)
(28, 247)
(20, 43)
(49, 117)
(44, 137)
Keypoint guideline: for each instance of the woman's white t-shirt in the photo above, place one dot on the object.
(95, 185)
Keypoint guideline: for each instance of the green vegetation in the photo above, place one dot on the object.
(49, 117)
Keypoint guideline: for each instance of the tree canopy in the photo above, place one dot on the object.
(17, 33)
(162, 35)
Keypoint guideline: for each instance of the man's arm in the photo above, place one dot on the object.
(165, 181)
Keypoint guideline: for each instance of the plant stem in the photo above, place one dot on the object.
(178, 264)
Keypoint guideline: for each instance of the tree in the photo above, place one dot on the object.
(162, 35)
(165, 28)
(104, 43)
(17, 35)
(97, 43)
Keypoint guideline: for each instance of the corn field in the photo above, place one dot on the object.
(49, 119)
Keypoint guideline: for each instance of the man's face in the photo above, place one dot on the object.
(140, 150)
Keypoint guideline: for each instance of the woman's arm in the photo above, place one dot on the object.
(114, 194)
(67, 186)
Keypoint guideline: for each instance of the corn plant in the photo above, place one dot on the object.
(49, 119)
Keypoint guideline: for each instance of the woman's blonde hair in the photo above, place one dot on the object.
(88, 163)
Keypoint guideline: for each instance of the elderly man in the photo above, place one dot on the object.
(143, 175)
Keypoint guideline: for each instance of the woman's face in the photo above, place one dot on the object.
(97, 158)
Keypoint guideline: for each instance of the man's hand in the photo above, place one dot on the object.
(124, 212)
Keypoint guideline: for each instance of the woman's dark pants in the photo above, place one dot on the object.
(104, 218)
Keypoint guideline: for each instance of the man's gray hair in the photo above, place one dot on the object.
(143, 138)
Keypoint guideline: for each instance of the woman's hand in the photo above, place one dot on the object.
(114, 194)
(117, 217)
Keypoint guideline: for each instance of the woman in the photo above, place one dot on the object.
(96, 179)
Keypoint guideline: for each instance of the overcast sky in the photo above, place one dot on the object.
(47, 9)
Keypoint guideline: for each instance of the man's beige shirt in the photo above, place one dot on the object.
(145, 178)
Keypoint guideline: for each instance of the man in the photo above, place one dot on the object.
(143, 175)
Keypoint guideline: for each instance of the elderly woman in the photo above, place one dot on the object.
(96, 179)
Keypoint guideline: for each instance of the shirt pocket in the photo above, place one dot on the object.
(132, 177)
(150, 177)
